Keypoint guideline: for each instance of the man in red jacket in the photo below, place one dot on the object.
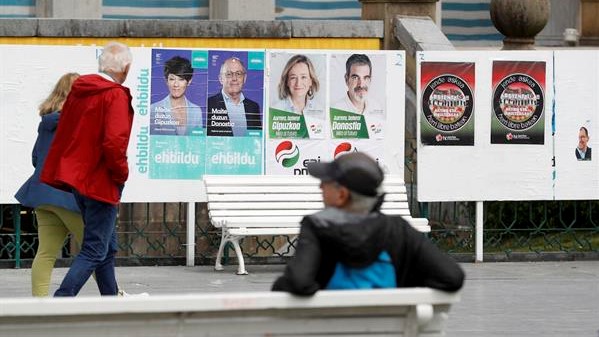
(89, 157)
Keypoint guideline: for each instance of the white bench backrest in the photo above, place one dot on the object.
(406, 312)
(238, 199)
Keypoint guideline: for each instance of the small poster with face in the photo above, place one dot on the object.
(297, 96)
(357, 110)
(583, 152)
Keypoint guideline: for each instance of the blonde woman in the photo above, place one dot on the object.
(296, 91)
(298, 85)
(56, 211)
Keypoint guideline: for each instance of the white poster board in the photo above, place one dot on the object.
(486, 171)
(576, 106)
(28, 74)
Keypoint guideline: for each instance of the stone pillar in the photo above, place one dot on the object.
(69, 9)
(242, 10)
(589, 22)
(387, 10)
(519, 21)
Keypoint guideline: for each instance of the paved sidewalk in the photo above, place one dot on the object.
(499, 299)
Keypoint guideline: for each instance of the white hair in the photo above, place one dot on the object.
(114, 58)
(361, 203)
(224, 67)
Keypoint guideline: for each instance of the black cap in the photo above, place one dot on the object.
(356, 171)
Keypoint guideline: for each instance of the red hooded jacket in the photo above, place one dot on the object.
(89, 151)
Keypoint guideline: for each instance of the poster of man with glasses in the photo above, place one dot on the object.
(234, 132)
(231, 110)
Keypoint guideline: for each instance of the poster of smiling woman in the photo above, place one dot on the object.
(178, 94)
(297, 95)
(177, 113)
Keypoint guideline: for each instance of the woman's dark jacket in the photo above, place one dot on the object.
(34, 193)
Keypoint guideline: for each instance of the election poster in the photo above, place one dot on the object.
(518, 102)
(177, 114)
(447, 103)
(234, 109)
(357, 88)
(311, 112)
(297, 95)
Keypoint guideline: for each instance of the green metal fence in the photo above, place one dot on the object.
(156, 233)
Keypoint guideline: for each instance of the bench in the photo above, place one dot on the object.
(274, 205)
(406, 312)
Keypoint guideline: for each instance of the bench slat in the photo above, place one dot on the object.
(246, 221)
(262, 189)
(263, 212)
(278, 179)
(293, 230)
(235, 180)
(231, 213)
(313, 205)
(261, 205)
(264, 197)
(286, 197)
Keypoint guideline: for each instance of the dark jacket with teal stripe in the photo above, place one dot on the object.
(334, 236)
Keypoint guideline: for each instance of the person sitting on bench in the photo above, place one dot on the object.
(352, 245)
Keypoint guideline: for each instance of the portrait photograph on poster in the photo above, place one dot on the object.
(576, 124)
(234, 142)
(178, 93)
(297, 95)
(357, 91)
(235, 93)
(583, 151)
(447, 103)
(177, 114)
(518, 102)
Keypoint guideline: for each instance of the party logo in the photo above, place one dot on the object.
(447, 103)
(518, 102)
(287, 153)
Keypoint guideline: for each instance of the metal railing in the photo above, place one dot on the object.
(155, 233)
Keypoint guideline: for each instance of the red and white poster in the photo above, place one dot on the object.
(518, 102)
(447, 103)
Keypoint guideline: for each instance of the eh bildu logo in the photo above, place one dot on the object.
(447, 103)
(287, 153)
(518, 102)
